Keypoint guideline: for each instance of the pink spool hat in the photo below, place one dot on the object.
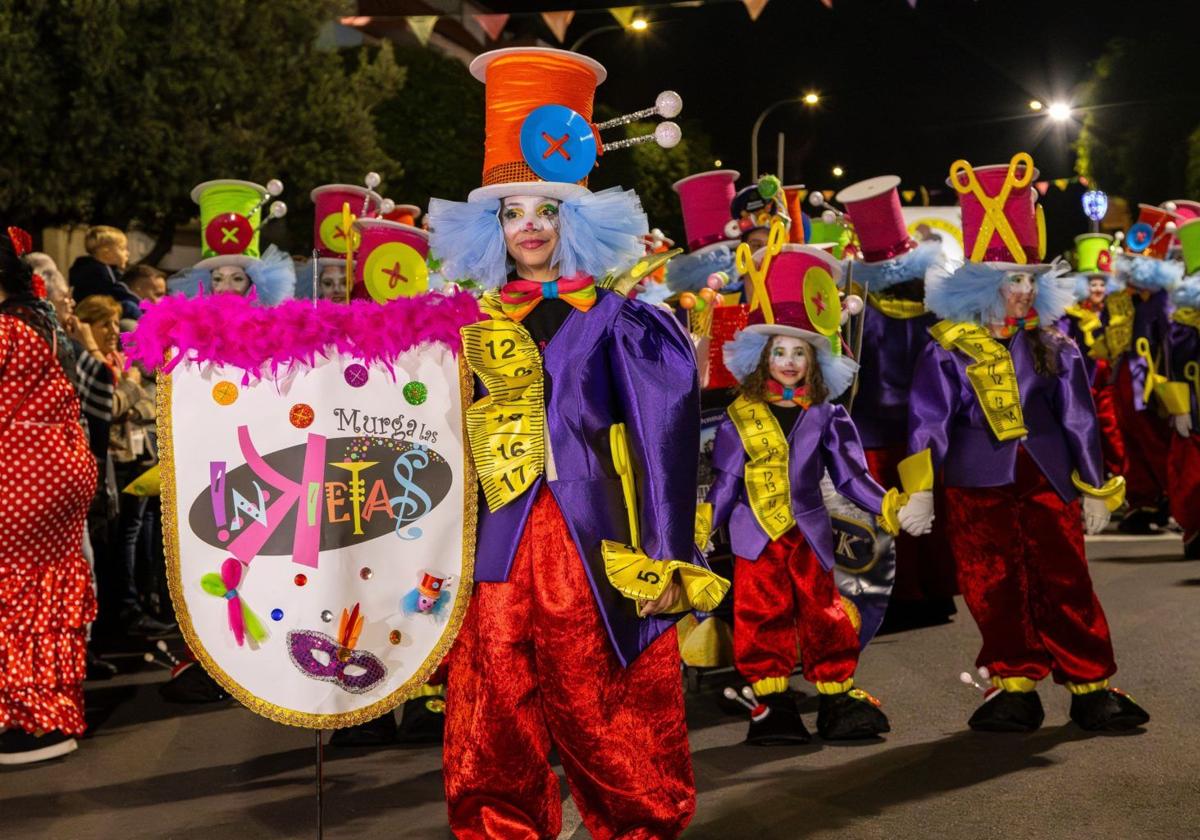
(1151, 235)
(1020, 209)
(390, 262)
(1185, 210)
(328, 236)
(873, 206)
(705, 198)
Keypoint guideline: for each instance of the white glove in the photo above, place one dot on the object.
(1182, 424)
(1095, 514)
(916, 517)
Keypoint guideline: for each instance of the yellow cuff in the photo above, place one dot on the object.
(889, 517)
(704, 515)
(430, 691)
(835, 687)
(916, 472)
(1017, 684)
(642, 578)
(1112, 491)
(1174, 397)
(769, 685)
(1087, 688)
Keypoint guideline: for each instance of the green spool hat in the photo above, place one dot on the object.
(1189, 241)
(829, 233)
(1092, 254)
(230, 219)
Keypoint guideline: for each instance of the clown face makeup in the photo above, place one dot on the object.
(789, 359)
(230, 279)
(332, 283)
(1018, 291)
(1097, 289)
(530, 226)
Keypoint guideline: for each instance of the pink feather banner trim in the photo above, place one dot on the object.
(232, 331)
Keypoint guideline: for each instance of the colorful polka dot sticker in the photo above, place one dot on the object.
(327, 616)
(356, 375)
(365, 573)
(415, 392)
(394, 637)
(277, 614)
(225, 392)
(301, 416)
(300, 580)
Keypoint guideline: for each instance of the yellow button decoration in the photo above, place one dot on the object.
(992, 375)
(395, 270)
(506, 429)
(225, 393)
(334, 235)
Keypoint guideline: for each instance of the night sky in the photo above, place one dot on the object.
(903, 91)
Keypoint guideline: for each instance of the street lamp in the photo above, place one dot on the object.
(1059, 111)
(638, 25)
(838, 172)
(1035, 105)
(810, 99)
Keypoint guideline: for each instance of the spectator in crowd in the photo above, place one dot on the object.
(146, 281)
(131, 452)
(47, 478)
(99, 271)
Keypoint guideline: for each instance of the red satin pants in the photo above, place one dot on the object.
(1024, 576)
(532, 669)
(1183, 483)
(1147, 441)
(924, 565)
(783, 602)
(1112, 442)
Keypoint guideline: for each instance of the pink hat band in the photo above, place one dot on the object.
(1019, 210)
(329, 237)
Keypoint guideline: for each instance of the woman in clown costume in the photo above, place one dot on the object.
(1002, 408)
(780, 437)
(551, 654)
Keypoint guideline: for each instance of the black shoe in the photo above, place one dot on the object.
(151, 628)
(1191, 546)
(20, 747)
(380, 732)
(781, 725)
(1009, 711)
(850, 715)
(98, 669)
(1138, 522)
(423, 721)
(190, 683)
(1109, 710)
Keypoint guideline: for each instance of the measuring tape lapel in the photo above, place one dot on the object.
(898, 308)
(506, 429)
(1118, 333)
(766, 473)
(991, 374)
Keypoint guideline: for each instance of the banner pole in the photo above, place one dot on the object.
(320, 779)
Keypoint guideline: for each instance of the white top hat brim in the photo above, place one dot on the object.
(240, 260)
(544, 189)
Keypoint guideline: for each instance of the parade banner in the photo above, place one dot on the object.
(943, 224)
(318, 510)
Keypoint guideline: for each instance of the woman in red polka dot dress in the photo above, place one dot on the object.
(47, 478)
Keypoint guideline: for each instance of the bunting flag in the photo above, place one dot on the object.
(422, 27)
(623, 14)
(754, 7)
(828, 4)
(829, 194)
(558, 23)
(908, 195)
(493, 25)
(1042, 186)
(1061, 183)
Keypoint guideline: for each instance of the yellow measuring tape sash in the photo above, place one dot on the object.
(1118, 334)
(766, 473)
(992, 375)
(898, 308)
(507, 428)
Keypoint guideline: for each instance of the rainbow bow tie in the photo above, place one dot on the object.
(780, 393)
(1012, 326)
(519, 297)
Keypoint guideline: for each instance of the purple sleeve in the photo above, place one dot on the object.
(933, 403)
(729, 464)
(654, 368)
(1077, 413)
(847, 464)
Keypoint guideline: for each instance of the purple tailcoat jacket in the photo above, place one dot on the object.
(620, 362)
(824, 438)
(1068, 325)
(1152, 321)
(890, 349)
(1185, 347)
(1060, 417)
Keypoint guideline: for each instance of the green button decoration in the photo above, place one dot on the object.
(416, 393)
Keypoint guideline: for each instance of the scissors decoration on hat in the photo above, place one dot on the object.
(758, 273)
(1019, 175)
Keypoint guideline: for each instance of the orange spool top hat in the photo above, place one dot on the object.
(1152, 234)
(540, 138)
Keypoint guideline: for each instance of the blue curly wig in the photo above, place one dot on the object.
(689, 272)
(878, 277)
(971, 292)
(273, 278)
(1082, 284)
(597, 233)
(1187, 293)
(1148, 273)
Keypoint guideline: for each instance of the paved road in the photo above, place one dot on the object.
(152, 770)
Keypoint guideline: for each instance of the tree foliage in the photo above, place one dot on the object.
(1140, 106)
(117, 108)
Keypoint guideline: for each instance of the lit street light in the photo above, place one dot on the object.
(717, 163)
(639, 25)
(838, 172)
(1035, 105)
(1059, 111)
(810, 99)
